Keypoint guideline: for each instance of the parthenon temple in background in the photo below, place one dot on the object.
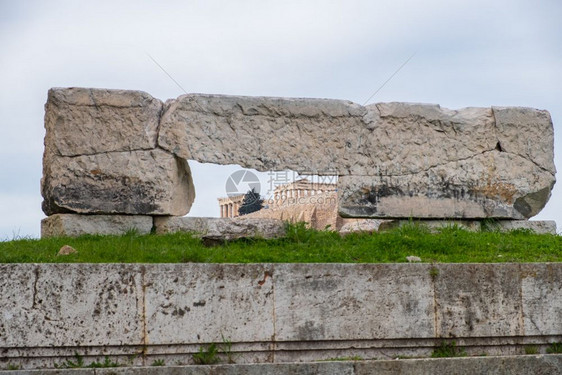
(283, 194)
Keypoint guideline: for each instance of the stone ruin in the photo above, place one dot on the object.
(116, 160)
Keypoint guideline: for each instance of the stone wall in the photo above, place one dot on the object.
(117, 152)
(273, 312)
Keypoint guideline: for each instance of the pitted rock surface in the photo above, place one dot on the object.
(395, 160)
(101, 156)
(222, 229)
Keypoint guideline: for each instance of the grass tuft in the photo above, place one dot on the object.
(448, 350)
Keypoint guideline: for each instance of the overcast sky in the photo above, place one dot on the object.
(467, 53)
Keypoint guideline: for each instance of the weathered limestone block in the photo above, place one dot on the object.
(263, 133)
(478, 300)
(395, 160)
(533, 141)
(377, 225)
(277, 313)
(537, 226)
(70, 305)
(352, 302)
(358, 226)
(459, 164)
(180, 300)
(73, 225)
(221, 228)
(101, 156)
(490, 184)
(82, 121)
(541, 295)
(151, 182)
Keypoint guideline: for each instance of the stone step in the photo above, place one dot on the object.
(530, 364)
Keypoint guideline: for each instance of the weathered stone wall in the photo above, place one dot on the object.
(273, 312)
(124, 152)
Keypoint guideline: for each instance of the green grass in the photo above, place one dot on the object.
(554, 348)
(447, 350)
(450, 245)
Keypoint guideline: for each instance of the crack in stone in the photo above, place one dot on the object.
(230, 113)
(449, 162)
(423, 170)
(112, 152)
(34, 303)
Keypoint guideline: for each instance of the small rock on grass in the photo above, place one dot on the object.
(413, 258)
(67, 250)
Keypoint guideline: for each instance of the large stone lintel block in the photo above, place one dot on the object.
(396, 160)
(73, 225)
(537, 226)
(263, 133)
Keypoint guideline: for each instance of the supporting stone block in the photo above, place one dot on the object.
(73, 225)
(221, 228)
(375, 225)
(365, 226)
(537, 226)
(145, 182)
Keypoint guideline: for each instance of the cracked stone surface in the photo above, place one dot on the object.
(135, 182)
(186, 303)
(262, 133)
(344, 301)
(273, 312)
(124, 152)
(540, 284)
(101, 156)
(485, 298)
(81, 121)
(65, 305)
(395, 160)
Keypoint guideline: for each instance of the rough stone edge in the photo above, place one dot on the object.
(467, 365)
(73, 225)
(209, 227)
(536, 226)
